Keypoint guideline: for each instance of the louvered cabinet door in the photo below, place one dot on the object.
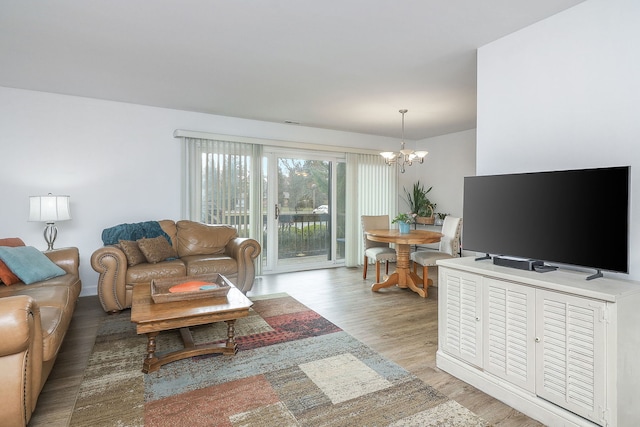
(460, 299)
(570, 353)
(509, 332)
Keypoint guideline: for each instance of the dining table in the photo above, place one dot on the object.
(403, 277)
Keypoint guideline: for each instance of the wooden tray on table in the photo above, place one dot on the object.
(196, 287)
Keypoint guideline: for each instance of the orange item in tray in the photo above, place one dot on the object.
(188, 286)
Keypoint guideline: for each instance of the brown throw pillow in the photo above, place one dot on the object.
(132, 251)
(6, 275)
(195, 238)
(156, 249)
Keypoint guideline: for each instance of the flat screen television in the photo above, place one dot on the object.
(574, 217)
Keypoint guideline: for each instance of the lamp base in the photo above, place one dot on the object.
(50, 234)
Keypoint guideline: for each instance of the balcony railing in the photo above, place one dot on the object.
(299, 235)
(303, 235)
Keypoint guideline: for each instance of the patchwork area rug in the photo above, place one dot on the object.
(293, 368)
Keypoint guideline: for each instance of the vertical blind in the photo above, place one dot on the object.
(372, 189)
(223, 184)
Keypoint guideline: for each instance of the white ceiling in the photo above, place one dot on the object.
(336, 64)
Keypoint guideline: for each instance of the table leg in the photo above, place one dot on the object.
(150, 361)
(403, 276)
(153, 362)
(413, 281)
(398, 277)
(392, 280)
(231, 342)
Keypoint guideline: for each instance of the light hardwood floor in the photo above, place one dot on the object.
(395, 322)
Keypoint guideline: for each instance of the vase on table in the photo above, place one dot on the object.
(404, 227)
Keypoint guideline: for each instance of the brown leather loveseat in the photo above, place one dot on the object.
(34, 319)
(197, 249)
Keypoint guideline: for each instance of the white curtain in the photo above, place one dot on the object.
(372, 189)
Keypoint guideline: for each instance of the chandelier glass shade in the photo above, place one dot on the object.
(404, 156)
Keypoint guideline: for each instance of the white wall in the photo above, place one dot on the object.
(118, 162)
(564, 94)
(451, 157)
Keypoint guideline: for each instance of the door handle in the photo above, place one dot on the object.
(277, 211)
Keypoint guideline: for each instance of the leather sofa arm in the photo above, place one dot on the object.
(111, 264)
(66, 258)
(20, 358)
(244, 251)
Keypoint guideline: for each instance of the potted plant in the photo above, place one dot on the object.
(440, 217)
(420, 204)
(404, 220)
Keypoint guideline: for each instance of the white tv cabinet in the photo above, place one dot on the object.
(562, 350)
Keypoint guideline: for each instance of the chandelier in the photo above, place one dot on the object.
(404, 157)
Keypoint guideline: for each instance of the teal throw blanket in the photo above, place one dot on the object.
(147, 229)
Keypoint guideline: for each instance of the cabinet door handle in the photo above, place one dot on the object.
(537, 339)
(478, 319)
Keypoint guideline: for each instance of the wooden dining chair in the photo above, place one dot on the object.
(449, 248)
(377, 251)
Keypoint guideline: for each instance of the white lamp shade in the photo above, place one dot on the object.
(49, 208)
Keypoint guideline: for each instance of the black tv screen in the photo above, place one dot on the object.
(576, 217)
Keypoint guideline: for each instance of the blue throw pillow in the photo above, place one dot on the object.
(29, 264)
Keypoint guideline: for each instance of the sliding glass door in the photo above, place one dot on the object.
(293, 202)
(304, 211)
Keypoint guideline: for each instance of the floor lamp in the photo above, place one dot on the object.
(49, 209)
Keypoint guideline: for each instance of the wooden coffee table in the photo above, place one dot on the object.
(152, 318)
